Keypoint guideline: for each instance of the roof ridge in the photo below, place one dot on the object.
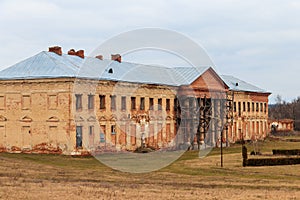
(54, 60)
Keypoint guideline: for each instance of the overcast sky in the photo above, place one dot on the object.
(257, 41)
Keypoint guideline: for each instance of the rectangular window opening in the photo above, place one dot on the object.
(79, 136)
(234, 106)
(133, 103)
(78, 101)
(167, 104)
(142, 103)
(151, 103)
(159, 104)
(175, 104)
(123, 103)
(248, 106)
(90, 101)
(91, 130)
(113, 102)
(102, 101)
(102, 133)
(113, 129)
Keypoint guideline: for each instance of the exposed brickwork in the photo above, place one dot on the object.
(250, 116)
(43, 116)
(56, 49)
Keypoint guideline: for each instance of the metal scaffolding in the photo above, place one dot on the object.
(204, 120)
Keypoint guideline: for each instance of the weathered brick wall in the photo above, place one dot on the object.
(249, 123)
(35, 112)
(159, 131)
(41, 115)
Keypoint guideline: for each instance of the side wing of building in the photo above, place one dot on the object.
(249, 110)
(35, 115)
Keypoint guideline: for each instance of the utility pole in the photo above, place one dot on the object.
(221, 148)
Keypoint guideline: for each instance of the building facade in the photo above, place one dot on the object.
(71, 104)
(249, 111)
(281, 125)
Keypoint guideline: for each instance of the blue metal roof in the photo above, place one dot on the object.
(236, 84)
(42, 65)
(50, 65)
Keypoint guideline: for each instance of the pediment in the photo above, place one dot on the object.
(91, 119)
(209, 81)
(2, 118)
(124, 117)
(26, 119)
(168, 118)
(79, 119)
(133, 117)
(53, 119)
(102, 118)
(113, 118)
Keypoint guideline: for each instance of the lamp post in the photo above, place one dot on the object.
(221, 135)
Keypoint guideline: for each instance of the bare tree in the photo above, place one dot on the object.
(283, 109)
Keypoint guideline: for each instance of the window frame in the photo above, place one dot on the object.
(123, 103)
(159, 104)
(248, 106)
(113, 130)
(102, 102)
(151, 103)
(133, 103)
(142, 103)
(91, 101)
(78, 102)
(113, 102)
(168, 105)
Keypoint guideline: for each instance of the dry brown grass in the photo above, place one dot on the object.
(62, 177)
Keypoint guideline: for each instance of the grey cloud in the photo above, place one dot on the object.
(251, 39)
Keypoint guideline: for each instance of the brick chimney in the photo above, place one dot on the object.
(72, 52)
(56, 49)
(80, 53)
(100, 57)
(116, 57)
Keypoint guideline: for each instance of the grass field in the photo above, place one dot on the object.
(24, 176)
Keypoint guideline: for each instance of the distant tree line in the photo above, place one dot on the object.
(286, 110)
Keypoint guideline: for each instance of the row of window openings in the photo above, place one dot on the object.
(123, 102)
(79, 132)
(256, 107)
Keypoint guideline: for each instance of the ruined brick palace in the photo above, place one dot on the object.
(69, 103)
